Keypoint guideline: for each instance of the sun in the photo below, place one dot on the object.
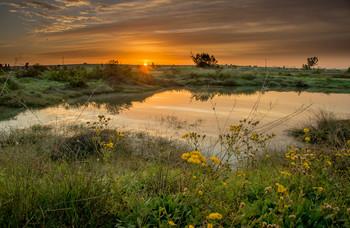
(145, 64)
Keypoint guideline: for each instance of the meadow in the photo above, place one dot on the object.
(98, 175)
(95, 175)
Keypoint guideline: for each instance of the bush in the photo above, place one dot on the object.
(34, 71)
(204, 60)
(249, 76)
(301, 83)
(75, 77)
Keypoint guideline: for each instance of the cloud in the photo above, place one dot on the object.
(69, 3)
(245, 27)
(44, 5)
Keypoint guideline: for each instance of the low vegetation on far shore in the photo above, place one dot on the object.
(40, 86)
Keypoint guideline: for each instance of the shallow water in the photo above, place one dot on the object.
(173, 113)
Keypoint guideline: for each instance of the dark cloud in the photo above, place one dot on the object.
(44, 5)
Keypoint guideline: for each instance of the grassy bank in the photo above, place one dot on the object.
(95, 176)
(324, 128)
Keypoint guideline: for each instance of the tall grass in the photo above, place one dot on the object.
(94, 175)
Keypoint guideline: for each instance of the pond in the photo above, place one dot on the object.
(172, 113)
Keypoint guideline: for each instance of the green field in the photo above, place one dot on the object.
(92, 175)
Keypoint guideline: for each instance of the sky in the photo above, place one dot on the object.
(165, 32)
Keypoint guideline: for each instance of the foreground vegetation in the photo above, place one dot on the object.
(96, 176)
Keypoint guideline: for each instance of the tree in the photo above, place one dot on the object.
(311, 61)
(204, 60)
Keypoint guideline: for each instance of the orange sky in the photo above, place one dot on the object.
(166, 31)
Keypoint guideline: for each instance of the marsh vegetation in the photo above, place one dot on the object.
(97, 174)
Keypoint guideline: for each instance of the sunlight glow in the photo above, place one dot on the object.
(145, 64)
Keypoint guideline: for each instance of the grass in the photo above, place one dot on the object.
(93, 175)
(325, 128)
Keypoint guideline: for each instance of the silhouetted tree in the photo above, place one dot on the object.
(311, 61)
(204, 60)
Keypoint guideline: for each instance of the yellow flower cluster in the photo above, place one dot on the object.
(290, 155)
(191, 134)
(307, 139)
(318, 188)
(109, 145)
(235, 128)
(185, 135)
(215, 160)
(195, 157)
(217, 216)
(285, 173)
(119, 134)
(280, 188)
(306, 130)
(171, 223)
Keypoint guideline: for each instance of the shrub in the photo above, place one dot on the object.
(204, 60)
(301, 83)
(230, 82)
(248, 76)
(75, 77)
(34, 71)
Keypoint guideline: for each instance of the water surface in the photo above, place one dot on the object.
(175, 112)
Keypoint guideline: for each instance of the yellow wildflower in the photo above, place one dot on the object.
(200, 193)
(120, 134)
(318, 188)
(203, 165)
(281, 198)
(224, 183)
(329, 162)
(185, 155)
(292, 163)
(210, 225)
(171, 223)
(235, 128)
(281, 188)
(190, 226)
(215, 160)
(267, 156)
(217, 216)
(194, 177)
(307, 139)
(194, 160)
(285, 173)
(185, 135)
(306, 165)
(306, 130)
